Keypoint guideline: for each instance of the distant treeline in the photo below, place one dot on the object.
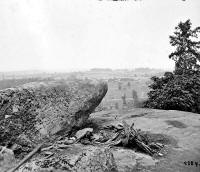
(9, 83)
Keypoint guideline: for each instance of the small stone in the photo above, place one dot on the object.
(81, 133)
(69, 141)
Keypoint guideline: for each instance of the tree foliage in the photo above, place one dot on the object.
(177, 92)
(186, 54)
(180, 89)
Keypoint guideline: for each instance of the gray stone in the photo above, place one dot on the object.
(81, 133)
(41, 110)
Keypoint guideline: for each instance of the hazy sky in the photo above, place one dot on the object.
(80, 34)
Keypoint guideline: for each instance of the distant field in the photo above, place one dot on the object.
(129, 80)
(118, 89)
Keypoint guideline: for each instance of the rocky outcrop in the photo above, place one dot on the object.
(35, 111)
(77, 158)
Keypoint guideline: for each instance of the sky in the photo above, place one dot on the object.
(65, 35)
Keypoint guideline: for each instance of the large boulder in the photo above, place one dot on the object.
(36, 111)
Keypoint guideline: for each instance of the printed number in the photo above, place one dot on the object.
(192, 163)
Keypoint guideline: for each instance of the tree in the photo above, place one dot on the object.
(186, 54)
(135, 97)
(124, 99)
(179, 90)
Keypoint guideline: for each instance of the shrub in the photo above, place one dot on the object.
(177, 92)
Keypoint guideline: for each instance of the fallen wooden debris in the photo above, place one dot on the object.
(126, 136)
(47, 148)
(121, 134)
(29, 156)
(132, 138)
(115, 126)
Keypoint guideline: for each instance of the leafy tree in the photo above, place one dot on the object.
(179, 90)
(186, 54)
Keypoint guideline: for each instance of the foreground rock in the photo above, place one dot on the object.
(128, 160)
(178, 131)
(35, 111)
(77, 158)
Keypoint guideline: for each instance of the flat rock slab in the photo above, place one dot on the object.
(128, 160)
(35, 111)
(178, 131)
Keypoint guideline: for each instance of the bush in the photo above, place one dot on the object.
(177, 92)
